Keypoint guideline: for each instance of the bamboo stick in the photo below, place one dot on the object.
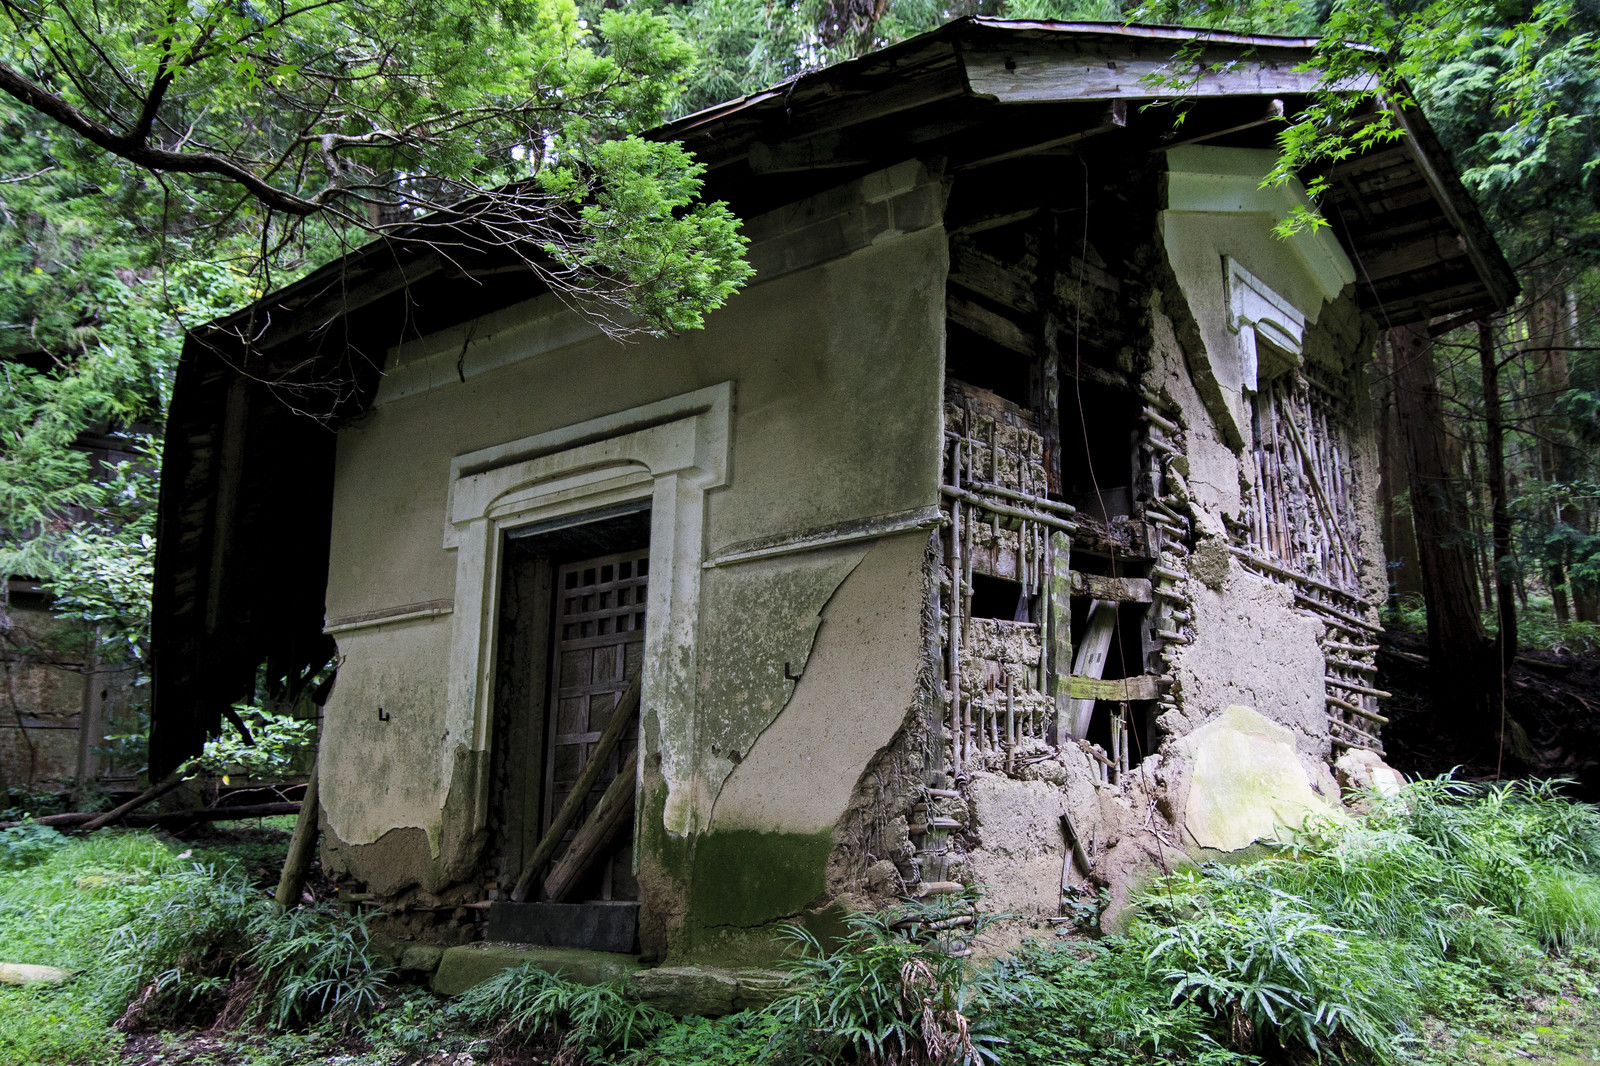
(1336, 614)
(1357, 709)
(955, 636)
(1011, 711)
(1330, 520)
(1353, 648)
(1363, 689)
(1162, 421)
(1359, 734)
(967, 558)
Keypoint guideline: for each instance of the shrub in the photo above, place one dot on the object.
(27, 845)
(895, 991)
(589, 1020)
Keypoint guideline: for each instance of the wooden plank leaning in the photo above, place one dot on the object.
(614, 811)
(302, 845)
(624, 711)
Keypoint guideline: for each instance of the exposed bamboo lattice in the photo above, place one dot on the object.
(1000, 520)
(1348, 649)
(1304, 495)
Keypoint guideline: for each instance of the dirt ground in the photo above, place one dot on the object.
(1552, 706)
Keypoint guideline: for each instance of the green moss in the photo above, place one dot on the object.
(747, 878)
(672, 853)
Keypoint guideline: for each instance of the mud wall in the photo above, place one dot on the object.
(1261, 663)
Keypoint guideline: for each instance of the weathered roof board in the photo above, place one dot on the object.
(247, 485)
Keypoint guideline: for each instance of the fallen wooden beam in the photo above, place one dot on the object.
(1118, 589)
(77, 819)
(598, 830)
(1143, 687)
(154, 792)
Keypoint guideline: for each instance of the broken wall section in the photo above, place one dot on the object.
(1210, 586)
(1063, 551)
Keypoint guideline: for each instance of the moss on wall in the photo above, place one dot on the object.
(745, 877)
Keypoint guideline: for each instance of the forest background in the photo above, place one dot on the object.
(163, 163)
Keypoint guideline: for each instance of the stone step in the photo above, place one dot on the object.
(462, 967)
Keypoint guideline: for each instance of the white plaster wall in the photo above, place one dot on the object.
(798, 772)
(836, 372)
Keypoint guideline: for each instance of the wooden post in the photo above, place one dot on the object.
(91, 719)
(301, 845)
(1058, 643)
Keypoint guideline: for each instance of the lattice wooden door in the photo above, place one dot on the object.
(599, 646)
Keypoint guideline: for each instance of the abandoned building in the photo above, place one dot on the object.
(1014, 527)
(60, 697)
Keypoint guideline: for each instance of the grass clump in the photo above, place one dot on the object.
(60, 910)
(526, 1005)
(314, 964)
(218, 950)
(895, 990)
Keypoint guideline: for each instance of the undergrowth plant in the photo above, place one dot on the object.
(896, 990)
(218, 950)
(1095, 1003)
(183, 951)
(28, 844)
(312, 964)
(1276, 970)
(1353, 930)
(589, 1021)
(746, 1038)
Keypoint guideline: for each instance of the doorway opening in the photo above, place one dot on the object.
(572, 628)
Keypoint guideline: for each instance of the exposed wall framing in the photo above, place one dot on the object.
(1299, 517)
(1304, 493)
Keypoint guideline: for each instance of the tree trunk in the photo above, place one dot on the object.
(1399, 537)
(1499, 513)
(1457, 648)
(1483, 567)
(1548, 336)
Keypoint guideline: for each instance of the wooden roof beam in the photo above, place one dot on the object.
(1043, 71)
(1112, 116)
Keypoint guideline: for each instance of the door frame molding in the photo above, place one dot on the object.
(671, 452)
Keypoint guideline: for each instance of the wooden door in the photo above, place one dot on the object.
(599, 647)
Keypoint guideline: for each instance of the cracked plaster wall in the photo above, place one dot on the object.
(836, 376)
